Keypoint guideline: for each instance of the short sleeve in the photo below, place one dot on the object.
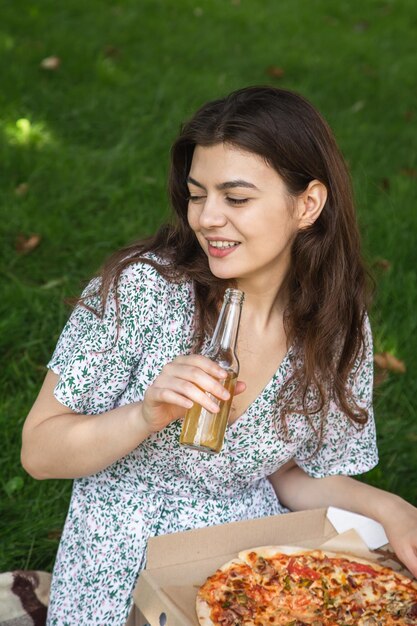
(95, 355)
(346, 448)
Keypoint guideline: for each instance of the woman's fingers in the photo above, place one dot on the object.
(195, 375)
(188, 380)
(410, 560)
(401, 529)
(201, 362)
(163, 395)
(194, 393)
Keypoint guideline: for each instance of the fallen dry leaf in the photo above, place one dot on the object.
(411, 172)
(22, 189)
(409, 115)
(111, 51)
(382, 264)
(275, 72)
(55, 533)
(50, 63)
(387, 361)
(27, 244)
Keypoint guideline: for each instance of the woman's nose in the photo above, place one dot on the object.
(212, 214)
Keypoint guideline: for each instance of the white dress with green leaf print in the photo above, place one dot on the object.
(161, 487)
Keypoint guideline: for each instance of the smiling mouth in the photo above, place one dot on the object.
(222, 248)
(221, 245)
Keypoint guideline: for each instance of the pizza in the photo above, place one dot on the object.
(281, 585)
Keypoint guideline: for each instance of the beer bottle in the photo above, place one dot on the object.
(202, 429)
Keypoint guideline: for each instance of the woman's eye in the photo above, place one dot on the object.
(234, 201)
(237, 200)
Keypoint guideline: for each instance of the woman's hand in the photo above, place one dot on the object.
(297, 491)
(400, 526)
(181, 383)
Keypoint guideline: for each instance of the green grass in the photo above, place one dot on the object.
(94, 152)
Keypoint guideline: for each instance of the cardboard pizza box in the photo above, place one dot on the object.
(177, 564)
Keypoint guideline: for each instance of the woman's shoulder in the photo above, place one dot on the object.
(152, 276)
(154, 269)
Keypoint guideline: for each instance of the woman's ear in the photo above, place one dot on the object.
(310, 203)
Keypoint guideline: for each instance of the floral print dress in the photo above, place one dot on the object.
(161, 487)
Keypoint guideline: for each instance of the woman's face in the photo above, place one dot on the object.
(237, 200)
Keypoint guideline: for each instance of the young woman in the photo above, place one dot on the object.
(262, 201)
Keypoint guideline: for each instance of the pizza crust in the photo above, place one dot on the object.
(269, 552)
(203, 612)
(203, 609)
(229, 564)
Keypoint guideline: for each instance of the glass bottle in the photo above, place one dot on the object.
(202, 429)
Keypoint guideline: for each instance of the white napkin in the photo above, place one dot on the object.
(370, 531)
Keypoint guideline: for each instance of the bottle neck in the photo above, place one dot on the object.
(225, 334)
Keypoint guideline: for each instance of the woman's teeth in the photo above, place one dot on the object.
(223, 244)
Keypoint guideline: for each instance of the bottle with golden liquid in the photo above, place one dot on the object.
(202, 429)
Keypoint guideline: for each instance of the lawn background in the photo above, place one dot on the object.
(84, 153)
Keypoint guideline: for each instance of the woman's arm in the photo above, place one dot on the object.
(298, 491)
(59, 443)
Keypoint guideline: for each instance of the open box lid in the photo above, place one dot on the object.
(210, 542)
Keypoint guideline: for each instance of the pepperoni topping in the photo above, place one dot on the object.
(302, 570)
(359, 568)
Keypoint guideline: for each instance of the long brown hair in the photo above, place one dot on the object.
(326, 285)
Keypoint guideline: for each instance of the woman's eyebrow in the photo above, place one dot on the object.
(195, 182)
(230, 184)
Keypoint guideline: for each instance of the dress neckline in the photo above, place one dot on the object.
(279, 373)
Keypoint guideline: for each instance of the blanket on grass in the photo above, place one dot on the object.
(24, 598)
